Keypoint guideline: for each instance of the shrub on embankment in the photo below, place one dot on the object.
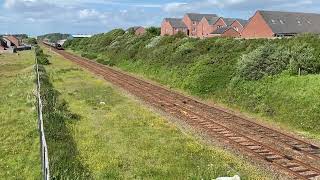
(255, 75)
(42, 58)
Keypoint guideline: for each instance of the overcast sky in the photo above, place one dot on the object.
(36, 17)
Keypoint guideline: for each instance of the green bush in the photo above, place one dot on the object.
(42, 58)
(89, 55)
(303, 60)
(155, 31)
(264, 61)
(271, 59)
(31, 41)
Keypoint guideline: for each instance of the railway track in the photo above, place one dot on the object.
(297, 158)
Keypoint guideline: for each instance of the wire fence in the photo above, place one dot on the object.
(44, 148)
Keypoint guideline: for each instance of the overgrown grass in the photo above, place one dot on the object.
(209, 68)
(19, 137)
(117, 138)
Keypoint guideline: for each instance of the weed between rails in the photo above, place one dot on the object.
(63, 153)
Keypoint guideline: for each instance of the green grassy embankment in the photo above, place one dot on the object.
(104, 134)
(19, 137)
(259, 77)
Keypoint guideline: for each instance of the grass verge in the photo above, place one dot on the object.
(19, 138)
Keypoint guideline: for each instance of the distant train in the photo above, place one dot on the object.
(54, 45)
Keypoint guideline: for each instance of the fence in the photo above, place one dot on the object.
(44, 148)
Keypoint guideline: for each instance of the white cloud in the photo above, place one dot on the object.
(88, 13)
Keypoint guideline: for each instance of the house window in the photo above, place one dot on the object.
(282, 22)
(219, 26)
(194, 23)
(194, 29)
(177, 29)
(236, 28)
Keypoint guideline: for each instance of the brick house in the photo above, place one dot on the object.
(270, 24)
(192, 20)
(208, 26)
(172, 26)
(226, 32)
(138, 30)
(237, 24)
(12, 41)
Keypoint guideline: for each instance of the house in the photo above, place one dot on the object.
(11, 41)
(237, 24)
(226, 32)
(192, 20)
(209, 26)
(172, 26)
(138, 30)
(270, 24)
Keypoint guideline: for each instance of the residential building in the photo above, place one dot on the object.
(192, 20)
(138, 30)
(237, 24)
(11, 41)
(270, 24)
(226, 32)
(208, 26)
(172, 26)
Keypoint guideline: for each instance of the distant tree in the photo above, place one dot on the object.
(154, 31)
(54, 37)
(31, 41)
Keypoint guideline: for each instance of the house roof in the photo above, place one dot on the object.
(212, 20)
(222, 30)
(198, 17)
(229, 21)
(11, 37)
(134, 28)
(6, 39)
(292, 22)
(243, 22)
(176, 22)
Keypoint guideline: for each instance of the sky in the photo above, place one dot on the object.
(37, 17)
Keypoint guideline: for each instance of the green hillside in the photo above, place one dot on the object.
(276, 79)
(53, 37)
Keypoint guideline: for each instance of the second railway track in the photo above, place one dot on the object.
(296, 157)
